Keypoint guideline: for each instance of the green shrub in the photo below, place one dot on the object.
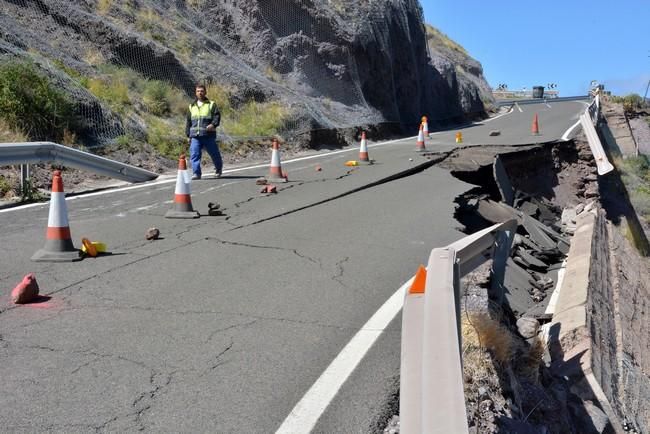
(256, 119)
(156, 97)
(30, 103)
(166, 136)
(251, 119)
(638, 166)
(113, 92)
(631, 102)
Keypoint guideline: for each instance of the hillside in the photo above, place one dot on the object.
(464, 74)
(116, 76)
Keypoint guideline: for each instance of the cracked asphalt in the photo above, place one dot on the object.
(225, 322)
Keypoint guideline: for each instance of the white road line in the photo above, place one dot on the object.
(142, 208)
(496, 117)
(306, 413)
(565, 136)
(519, 108)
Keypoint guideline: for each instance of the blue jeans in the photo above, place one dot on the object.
(210, 145)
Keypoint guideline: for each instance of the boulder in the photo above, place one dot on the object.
(152, 234)
(527, 327)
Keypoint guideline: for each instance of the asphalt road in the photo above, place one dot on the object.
(226, 322)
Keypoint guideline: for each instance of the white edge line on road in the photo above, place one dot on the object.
(173, 178)
(496, 117)
(308, 410)
(565, 136)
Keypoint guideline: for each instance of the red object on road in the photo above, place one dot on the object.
(26, 291)
(534, 129)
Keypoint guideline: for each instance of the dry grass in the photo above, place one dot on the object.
(9, 134)
(482, 332)
(437, 36)
(104, 6)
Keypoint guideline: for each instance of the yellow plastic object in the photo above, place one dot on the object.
(92, 248)
(352, 163)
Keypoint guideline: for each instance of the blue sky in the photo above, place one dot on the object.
(570, 42)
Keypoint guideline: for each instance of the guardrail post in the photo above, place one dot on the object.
(24, 179)
(500, 255)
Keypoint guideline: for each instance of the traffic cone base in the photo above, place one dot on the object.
(49, 253)
(173, 214)
(182, 198)
(58, 243)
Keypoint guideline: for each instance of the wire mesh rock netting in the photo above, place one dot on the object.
(275, 68)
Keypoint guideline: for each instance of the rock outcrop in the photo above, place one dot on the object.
(462, 73)
(333, 64)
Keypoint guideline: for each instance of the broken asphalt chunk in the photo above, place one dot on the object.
(529, 209)
(530, 261)
(503, 182)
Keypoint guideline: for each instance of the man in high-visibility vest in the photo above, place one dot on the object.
(203, 118)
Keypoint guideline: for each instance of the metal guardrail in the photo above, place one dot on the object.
(431, 390)
(47, 152)
(588, 120)
(506, 102)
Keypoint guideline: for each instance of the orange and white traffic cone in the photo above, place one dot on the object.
(534, 129)
(275, 172)
(58, 242)
(420, 143)
(459, 137)
(363, 149)
(425, 126)
(182, 197)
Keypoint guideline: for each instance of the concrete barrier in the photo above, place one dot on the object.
(582, 323)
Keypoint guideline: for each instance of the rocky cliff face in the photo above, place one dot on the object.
(462, 73)
(331, 63)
